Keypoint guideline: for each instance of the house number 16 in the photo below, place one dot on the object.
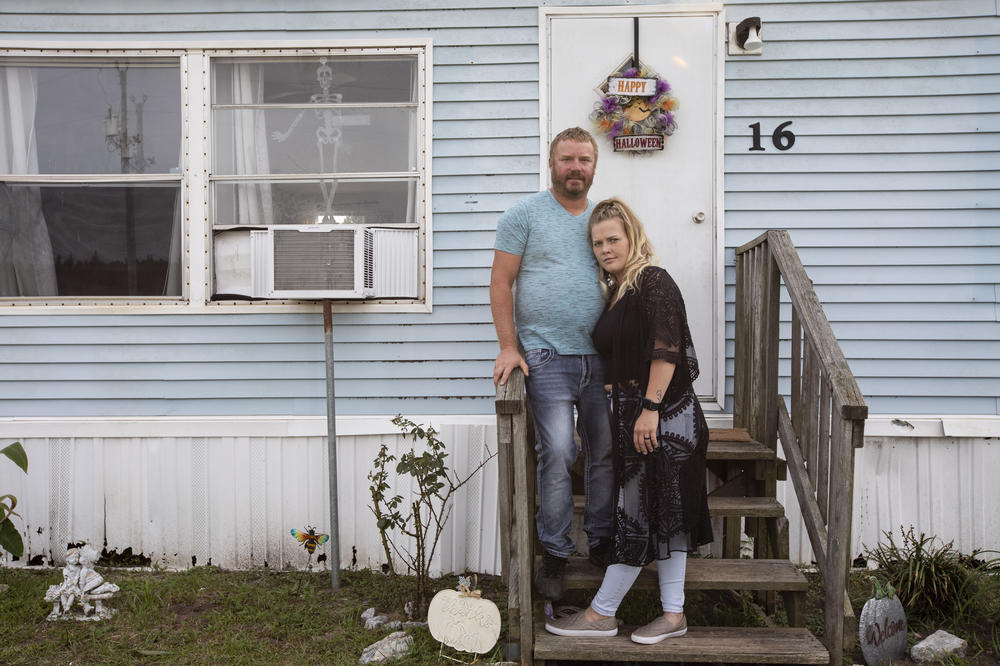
(782, 138)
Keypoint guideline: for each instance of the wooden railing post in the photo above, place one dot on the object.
(740, 346)
(514, 428)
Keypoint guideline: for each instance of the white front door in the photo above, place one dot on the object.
(677, 191)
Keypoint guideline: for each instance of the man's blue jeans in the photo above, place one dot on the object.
(555, 385)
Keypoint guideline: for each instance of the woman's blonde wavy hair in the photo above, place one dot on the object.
(640, 250)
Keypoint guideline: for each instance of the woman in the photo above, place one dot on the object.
(661, 507)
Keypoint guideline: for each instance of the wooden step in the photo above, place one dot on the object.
(726, 507)
(729, 434)
(736, 445)
(750, 507)
(747, 645)
(738, 451)
(702, 574)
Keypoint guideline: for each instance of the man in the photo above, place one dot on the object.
(542, 244)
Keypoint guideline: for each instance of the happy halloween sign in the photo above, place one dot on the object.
(639, 142)
(631, 87)
(635, 109)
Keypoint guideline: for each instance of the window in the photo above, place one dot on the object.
(90, 178)
(314, 140)
(121, 169)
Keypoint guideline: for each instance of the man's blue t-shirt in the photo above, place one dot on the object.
(558, 298)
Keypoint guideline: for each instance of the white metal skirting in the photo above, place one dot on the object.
(942, 486)
(232, 501)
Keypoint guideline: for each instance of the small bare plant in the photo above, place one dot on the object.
(423, 516)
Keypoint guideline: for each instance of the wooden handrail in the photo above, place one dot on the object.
(826, 422)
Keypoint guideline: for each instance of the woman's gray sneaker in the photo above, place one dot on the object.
(658, 629)
(579, 625)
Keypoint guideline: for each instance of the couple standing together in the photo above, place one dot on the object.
(604, 332)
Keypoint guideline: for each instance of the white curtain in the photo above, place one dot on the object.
(172, 285)
(250, 143)
(27, 264)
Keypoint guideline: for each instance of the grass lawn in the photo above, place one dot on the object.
(206, 615)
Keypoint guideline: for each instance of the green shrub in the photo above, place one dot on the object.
(936, 583)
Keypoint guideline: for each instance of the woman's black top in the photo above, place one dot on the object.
(661, 504)
(648, 322)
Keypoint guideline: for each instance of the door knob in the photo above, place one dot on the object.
(699, 218)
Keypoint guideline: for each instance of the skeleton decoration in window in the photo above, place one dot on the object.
(81, 585)
(327, 134)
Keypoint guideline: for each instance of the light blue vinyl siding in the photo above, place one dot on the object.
(891, 193)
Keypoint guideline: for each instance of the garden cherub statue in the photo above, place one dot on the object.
(82, 584)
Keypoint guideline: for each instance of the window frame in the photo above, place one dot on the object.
(21, 304)
(195, 61)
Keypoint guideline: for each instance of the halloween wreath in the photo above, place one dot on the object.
(624, 115)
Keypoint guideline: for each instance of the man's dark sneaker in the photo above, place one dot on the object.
(549, 577)
(601, 554)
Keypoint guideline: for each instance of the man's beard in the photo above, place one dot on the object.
(579, 184)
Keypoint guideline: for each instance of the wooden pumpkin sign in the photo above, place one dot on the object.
(464, 621)
(882, 627)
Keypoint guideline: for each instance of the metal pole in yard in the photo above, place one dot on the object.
(331, 447)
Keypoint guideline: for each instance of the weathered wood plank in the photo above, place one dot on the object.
(810, 404)
(731, 525)
(505, 490)
(772, 278)
(702, 574)
(841, 498)
(751, 645)
(740, 346)
(752, 507)
(811, 516)
(761, 256)
(511, 396)
(729, 435)
(739, 451)
(522, 537)
(796, 361)
(823, 447)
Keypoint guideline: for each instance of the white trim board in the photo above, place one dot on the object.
(238, 426)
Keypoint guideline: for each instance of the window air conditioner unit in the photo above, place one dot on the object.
(317, 262)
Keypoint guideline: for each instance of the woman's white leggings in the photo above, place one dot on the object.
(619, 578)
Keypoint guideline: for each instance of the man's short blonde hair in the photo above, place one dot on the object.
(577, 134)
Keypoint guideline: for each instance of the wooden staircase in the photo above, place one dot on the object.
(826, 423)
(739, 459)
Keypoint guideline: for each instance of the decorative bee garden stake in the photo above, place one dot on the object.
(309, 540)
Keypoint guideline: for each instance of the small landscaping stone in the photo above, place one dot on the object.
(938, 646)
(376, 622)
(368, 614)
(393, 646)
